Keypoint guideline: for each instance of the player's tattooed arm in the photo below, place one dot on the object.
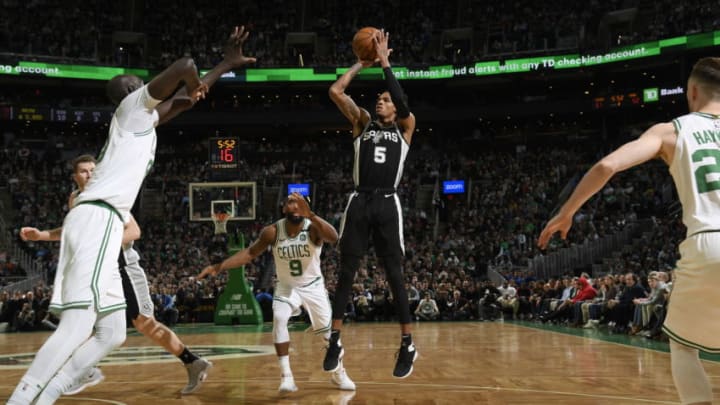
(357, 116)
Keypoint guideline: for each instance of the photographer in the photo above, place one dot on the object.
(489, 309)
(427, 309)
(25, 319)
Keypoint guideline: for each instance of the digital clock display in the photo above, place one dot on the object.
(223, 155)
(617, 100)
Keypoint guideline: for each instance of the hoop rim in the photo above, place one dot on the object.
(219, 217)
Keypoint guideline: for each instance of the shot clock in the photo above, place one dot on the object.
(223, 157)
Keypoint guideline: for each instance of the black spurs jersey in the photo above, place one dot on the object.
(380, 154)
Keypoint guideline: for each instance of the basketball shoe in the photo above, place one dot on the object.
(341, 380)
(93, 377)
(287, 384)
(197, 373)
(333, 355)
(405, 358)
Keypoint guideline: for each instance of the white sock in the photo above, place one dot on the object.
(25, 392)
(54, 389)
(689, 375)
(285, 365)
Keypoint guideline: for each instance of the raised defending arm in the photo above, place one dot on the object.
(233, 58)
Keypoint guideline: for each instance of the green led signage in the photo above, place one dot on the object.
(486, 68)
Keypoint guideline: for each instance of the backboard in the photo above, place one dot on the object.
(235, 198)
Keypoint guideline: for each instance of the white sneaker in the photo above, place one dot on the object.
(341, 379)
(93, 377)
(287, 384)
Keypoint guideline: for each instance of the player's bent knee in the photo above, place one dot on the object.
(117, 338)
(141, 323)
(281, 333)
(150, 327)
(112, 334)
(281, 316)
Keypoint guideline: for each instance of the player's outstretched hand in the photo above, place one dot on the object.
(559, 223)
(199, 92)
(29, 233)
(233, 48)
(381, 46)
(211, 270)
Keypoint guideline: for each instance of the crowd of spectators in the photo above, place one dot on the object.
(22, 311)
(496, 224)
(171, 29)
(10, 271)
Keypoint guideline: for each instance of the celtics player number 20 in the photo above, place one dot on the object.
(701, 173)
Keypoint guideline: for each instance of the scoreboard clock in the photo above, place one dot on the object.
(223, 156)
(616, 100)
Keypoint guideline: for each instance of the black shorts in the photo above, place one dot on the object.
(372, 214)
(132, 310)
(135, 286)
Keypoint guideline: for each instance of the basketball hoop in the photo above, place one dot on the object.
(220, 220)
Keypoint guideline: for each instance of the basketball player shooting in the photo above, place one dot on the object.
(381, 146)
(88, 288)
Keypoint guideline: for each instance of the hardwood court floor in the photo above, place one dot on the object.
(459, 364)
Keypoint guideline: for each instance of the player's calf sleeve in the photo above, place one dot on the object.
(281, 315)
(393, 271)
(109, 333)
(74, 329)
(349, 265)
(689, 375)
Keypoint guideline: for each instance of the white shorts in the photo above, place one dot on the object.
(87, 273)
(313, 297)
(135, 287)
(693, 317)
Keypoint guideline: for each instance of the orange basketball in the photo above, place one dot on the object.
(363, 44)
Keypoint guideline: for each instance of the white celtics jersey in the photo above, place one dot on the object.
(297, 260)
(127, 156)
(696, 170)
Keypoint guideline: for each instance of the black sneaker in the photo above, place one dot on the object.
(333, 355)
(405, 358)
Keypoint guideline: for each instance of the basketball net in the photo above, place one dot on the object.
(220, 220)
